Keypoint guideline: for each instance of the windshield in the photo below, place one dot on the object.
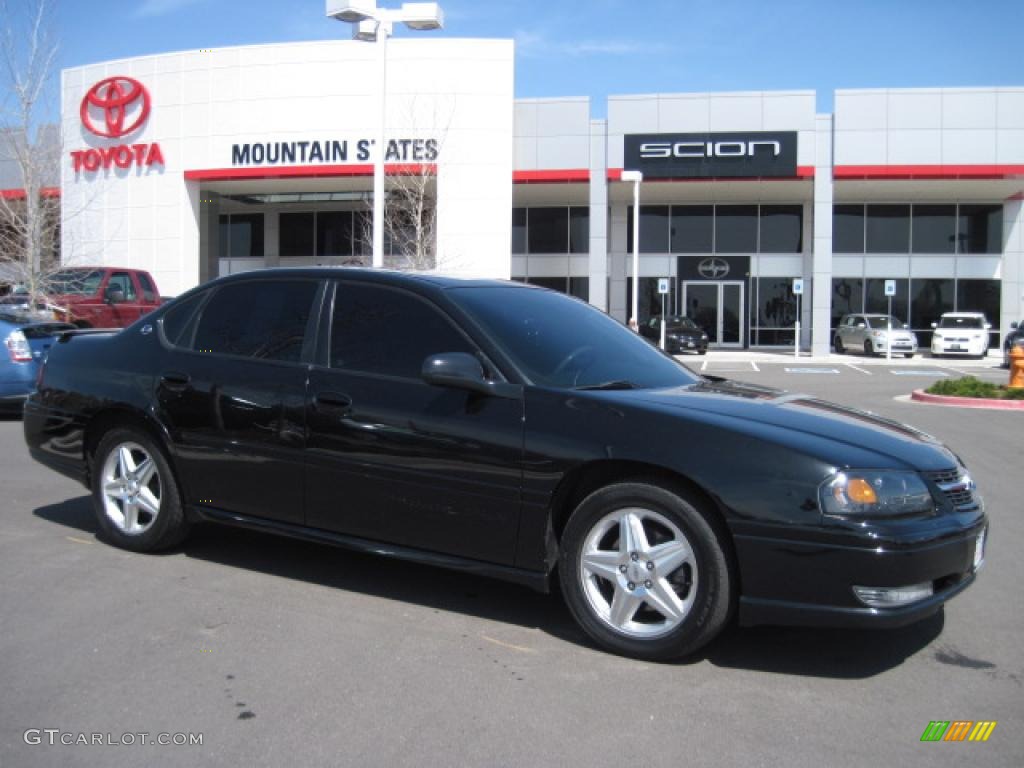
(879, 321)
(679, 321)
(961, 322)
(74, 281)
(557, 341)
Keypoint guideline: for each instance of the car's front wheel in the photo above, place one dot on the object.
(868, 349)
(645, 572)
(135, 496)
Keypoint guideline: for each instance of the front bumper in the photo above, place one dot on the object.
(811, 584)
(899, 346)
(959, 347)
(678, 346)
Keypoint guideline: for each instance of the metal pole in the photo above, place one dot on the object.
(381, 153)
(663, 322)
(636, 255)
(888, 333)
(796, 337)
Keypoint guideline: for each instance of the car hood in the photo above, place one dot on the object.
(679, 330)
(845, 436)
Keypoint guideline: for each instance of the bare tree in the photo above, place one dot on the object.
(29, 144)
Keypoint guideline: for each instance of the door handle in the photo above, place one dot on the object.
(174, 380)
(333, 401)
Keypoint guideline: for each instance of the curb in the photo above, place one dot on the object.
(968, 402)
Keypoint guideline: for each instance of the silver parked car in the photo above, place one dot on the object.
(868, 333)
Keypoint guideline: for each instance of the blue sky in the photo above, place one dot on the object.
(604, 47)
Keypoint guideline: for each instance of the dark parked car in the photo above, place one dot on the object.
(26, 341)
(1015, 336)
(681, 334)
(511, 431)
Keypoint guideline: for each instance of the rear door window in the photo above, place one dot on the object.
(263, 319)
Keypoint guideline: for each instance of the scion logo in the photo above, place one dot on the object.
(113, 108)
(709, 149)
(713, 268)
(751, 154)
(122, 102)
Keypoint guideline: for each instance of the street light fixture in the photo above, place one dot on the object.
(373, 24)
(636, 177)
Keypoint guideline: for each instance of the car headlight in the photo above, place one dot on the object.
(878, 334)
(871, 493)
(703, 337)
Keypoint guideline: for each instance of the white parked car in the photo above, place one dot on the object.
(870, 333)
(961, 333)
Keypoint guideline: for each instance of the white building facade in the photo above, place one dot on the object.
(262, 156)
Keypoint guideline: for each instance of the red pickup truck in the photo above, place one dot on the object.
(101, 297)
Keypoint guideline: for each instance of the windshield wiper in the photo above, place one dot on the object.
(617, 384)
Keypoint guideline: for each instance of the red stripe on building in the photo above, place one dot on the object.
(308, 171)
(557, 176)
(891, 172)
(802, 172)
(19, 194)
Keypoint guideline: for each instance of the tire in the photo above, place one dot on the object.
(908, 355)
(673, 614)
(702, 351)
(838, 344)
(155, 519)
(868, 350)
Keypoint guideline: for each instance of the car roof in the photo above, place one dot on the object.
(386, 276)
(963, 314)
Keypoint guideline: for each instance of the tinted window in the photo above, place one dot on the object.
(981, 229)
(262, 319)
(296, 234)
(654, 228)
(847, 296)
(934, 229)
(781, 228)
(241, 235)
(848, 229)
(693, 228)
(560, 342)
(518, 230)
(928, 300)
(579, 230)
(979, 296)
(334, 233)
(736, 229)
(888, 229)
(176, 321)
(387, 331)
(548, 230)
(875, 299)
(961, 322)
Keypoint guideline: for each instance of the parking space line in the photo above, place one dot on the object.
(920, 372)
(704, 365)
(811, 370)
(862, 370)
(754, 366)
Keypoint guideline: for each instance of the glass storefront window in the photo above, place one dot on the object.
(649, 303)
(547, 230)
(334, 233)
(981, 296)
(776, 304)
(876, 301)
(933, 229)
(579, 230)
(848, 229)
(580, 287)
(980, 229)
(847, 297)
(928, 300)
(693, 228)
(781, 229)
(518, 230)
(654, 229)
(296, 232)
(888, 229)
(735, 229)
(241, 235)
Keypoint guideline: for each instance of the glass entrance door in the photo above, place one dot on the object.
(717, 307)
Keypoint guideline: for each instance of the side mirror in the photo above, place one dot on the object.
(1013, 326)
(115, 296)
(459, 370)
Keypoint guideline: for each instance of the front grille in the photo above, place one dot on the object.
(957, 486)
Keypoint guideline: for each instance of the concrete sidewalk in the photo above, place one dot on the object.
(994, 359)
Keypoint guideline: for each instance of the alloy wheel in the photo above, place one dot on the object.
(131, 490)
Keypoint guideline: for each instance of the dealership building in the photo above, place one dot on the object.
(204, 163)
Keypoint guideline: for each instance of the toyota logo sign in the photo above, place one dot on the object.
(115, 107)
(713, 268)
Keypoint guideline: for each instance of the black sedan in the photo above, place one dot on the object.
(511, 431)
(681, 334)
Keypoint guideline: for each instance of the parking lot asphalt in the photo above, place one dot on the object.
(282, 652)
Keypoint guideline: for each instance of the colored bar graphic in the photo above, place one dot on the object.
(983, 730)
(935, 731)
(958, 730)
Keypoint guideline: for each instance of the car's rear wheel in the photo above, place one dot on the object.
(135, 496)
(645, 572)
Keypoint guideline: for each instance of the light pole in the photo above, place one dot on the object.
(375, 24)
(636, 177)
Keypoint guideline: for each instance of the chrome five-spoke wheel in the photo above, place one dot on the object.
(638, 572)
(131, 488)
(134, 491)
(645, 568)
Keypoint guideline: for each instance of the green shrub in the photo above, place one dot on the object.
(970, 386)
